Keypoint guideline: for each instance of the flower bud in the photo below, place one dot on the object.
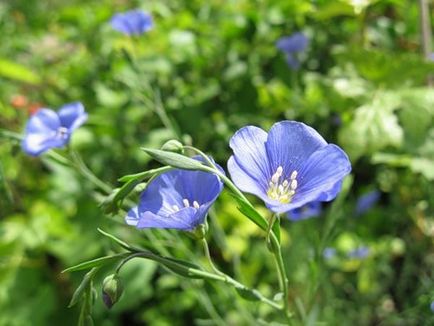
(111, 290)
(174, 146)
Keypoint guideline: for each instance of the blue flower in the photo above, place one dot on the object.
(367, 201)
(432, 306)
(178, 199)
(329, 253)
(134, 22)
(287, 168)
(47, 129)
(359, 253)
(312, 209)
(291, 45)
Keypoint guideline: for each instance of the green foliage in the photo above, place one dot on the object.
(204, 71)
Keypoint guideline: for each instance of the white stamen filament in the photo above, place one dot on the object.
(175, 208)
(186, 202)
(196, 204)
(282, 189)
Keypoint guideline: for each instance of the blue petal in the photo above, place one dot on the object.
(36, 144)
(318, 179)
(181, 220)
(133, 22)
(295, 43)
(359, 253)
(292, 61)
(290, 144)
(44, 121)
(132, 217)
(309, 210)
(248, 145)
(162, 194)
(42, 133)
(72, 115)
(321, 174)
(169, 189)
(245, 182)
(367, 201)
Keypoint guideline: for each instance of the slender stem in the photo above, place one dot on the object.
(277, 253)
(229, 280)
(270, 226)
(86, 172)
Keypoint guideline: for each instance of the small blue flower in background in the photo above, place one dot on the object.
(367, 201)
(309, 210)
(432, 306)
(291, 45)
(359, 253)
(329, 253)
(178, 199)
(47, 129)
(287, 168)
(134, 22)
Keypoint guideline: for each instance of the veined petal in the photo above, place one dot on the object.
(294, 43)
(132, 22)
(72, 115)
(320, 175)
(42, 122)
(162, 194)
(290, 144)
(248, 145)
(180, 220)
(312, 209)
(244, 181)
(132, 217)
(36, 143)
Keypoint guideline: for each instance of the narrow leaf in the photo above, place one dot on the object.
(146, 174)
(123, 244)
(96, 262)
(174, 159)
(82, 287)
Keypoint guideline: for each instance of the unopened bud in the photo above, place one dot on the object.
(111, 290)
(173, 146)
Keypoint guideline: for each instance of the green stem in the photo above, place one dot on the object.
(229, 280)
(283, 279)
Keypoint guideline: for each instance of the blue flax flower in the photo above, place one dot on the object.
(291, 45)
(287, 168)
(329, 253)
(134, 22)
(312, 209)
(432, 306)
(47, 129)
(178, 199)
(359, 253)
(367, 201)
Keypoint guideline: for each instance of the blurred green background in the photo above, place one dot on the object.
(213, 67)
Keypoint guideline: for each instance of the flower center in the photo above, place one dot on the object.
(186, 204)
(62, 132)
(282, 189)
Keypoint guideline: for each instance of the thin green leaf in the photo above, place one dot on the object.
(82, 287)
(12, 70)
(123, 244)
(96, 262)
(174, 159)
(146, 174)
